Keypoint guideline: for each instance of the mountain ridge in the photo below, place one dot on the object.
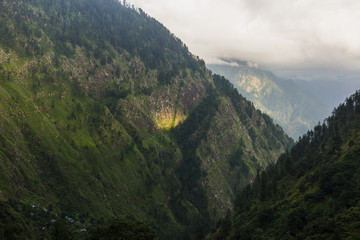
(311, 192)
(290, 106)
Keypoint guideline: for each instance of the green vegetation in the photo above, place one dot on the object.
(106, 115)
(312, 192)
(123, 229)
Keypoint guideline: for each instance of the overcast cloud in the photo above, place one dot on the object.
(298, 38)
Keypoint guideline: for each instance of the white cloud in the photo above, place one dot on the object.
(274, 33)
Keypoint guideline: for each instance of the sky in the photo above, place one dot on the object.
(297, 39)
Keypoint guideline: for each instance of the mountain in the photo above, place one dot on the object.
(312, 192)
(290, 106)
(105, 114)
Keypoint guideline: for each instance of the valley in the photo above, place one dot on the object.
(110, 128)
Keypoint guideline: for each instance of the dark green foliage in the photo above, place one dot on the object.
(165, 76)
(240, 103)
(247, 111)
(315, 188)
(265, 216)
(76, 89)
(263, 188)
(123, 229)
(189, 172)
(223, 227)
(235, 159)
(295, 220)
(61, 231)
(87, 21)
(15, 231)
(12, 226)
(22, 221)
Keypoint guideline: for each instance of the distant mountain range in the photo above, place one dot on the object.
(293, 108)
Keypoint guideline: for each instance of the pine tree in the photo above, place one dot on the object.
(263, 186)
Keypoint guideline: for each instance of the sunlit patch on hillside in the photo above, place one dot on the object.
(168, 118)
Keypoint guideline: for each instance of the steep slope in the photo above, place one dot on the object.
(312, 192)
(105, 114)
(294, 109)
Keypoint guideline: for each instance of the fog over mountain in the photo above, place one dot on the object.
(330, 92)
(296, 109)
(294, 39)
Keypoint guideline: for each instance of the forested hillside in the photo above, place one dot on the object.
(105, 114)
(312, 192)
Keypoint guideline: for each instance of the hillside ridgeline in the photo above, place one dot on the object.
(312, 192)
(294, 109)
